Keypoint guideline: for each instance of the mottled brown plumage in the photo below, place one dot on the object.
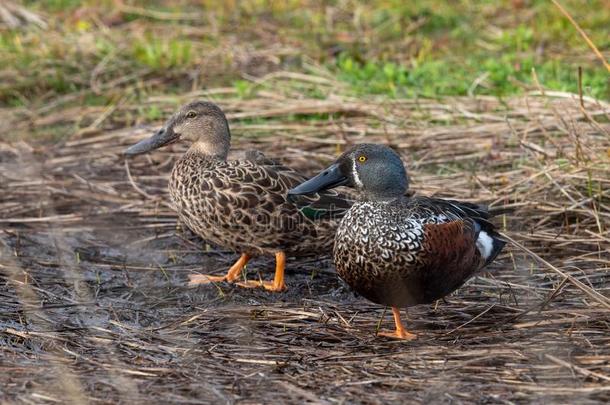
(241, 204)
(397, 250)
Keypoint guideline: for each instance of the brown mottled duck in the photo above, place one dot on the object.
(401, 251)
(241, 204)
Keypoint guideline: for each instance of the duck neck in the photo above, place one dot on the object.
(386, 190)
(381, 198)
(211, 150)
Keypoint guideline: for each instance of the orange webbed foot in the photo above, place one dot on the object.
(277, 284)
(197, 279)
(400, 332)
(267, 285)
(232, 275)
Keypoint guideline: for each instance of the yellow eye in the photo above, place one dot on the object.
(362, 158)
(191, 114)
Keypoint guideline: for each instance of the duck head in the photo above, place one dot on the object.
(374, 170)
(202, 123)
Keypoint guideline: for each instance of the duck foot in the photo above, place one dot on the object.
(232, 275)
(400, 332)
(277, 284)
(196, 279)
(267, 285)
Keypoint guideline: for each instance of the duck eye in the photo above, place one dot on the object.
(362, 158)
(191, 114)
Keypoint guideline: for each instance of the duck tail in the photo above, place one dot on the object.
(501, 210)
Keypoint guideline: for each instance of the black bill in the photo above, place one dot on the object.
(329, 178)
(161, 138)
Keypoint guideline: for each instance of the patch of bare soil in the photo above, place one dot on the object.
(94, 304)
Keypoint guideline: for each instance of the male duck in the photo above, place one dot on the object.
(241, 204)
(401, 251)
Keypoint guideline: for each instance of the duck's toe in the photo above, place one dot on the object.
(267, 285)
(398, 334)
(232, 275)
(197, 279)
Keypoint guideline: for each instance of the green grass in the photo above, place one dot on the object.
(160, 54)
(472, 48)
(500, 77)
(382, 47)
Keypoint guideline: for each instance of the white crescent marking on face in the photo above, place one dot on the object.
(356, 175)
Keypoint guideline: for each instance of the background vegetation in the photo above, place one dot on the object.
(108, 53)
(479, 99)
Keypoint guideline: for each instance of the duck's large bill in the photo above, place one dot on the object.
(160, 138)
(329, 178)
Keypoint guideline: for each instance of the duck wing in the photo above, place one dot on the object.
(328, 204)
(473, 218)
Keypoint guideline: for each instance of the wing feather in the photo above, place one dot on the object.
(449, 254)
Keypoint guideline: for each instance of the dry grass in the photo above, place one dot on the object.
(94, 305)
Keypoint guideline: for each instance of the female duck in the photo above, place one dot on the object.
(401, 251)
(240, 204)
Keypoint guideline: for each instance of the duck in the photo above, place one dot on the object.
(242, 204)
(402, 250)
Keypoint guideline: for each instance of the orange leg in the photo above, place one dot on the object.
(278, 280)
(400, 332)
(232, 275)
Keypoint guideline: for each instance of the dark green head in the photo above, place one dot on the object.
(374, 170)
(200, 122)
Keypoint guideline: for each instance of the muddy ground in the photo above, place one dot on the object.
(94, 305)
